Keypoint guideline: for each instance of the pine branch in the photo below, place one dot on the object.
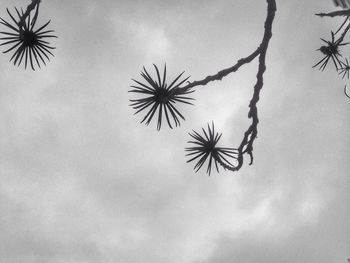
(158, 95)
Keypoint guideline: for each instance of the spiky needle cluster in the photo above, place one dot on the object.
(345, 69)
(27, 42)
(206, 147)
(160, 96)
(331, 51)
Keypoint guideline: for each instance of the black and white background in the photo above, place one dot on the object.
(83, 181)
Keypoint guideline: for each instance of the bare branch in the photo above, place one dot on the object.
(246, 146)
(224, 72)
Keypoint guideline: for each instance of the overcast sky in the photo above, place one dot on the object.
(83, 181)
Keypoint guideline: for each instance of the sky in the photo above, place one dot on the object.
(83, 181)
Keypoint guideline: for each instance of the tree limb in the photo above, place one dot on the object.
(224, 72)
(246, 146)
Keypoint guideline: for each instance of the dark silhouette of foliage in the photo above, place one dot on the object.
(332, 49)
(157, 96)
(27, 42)
(160, 97)
(206, 146)
(345, 68)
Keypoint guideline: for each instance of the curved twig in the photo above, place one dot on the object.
(345, 92)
